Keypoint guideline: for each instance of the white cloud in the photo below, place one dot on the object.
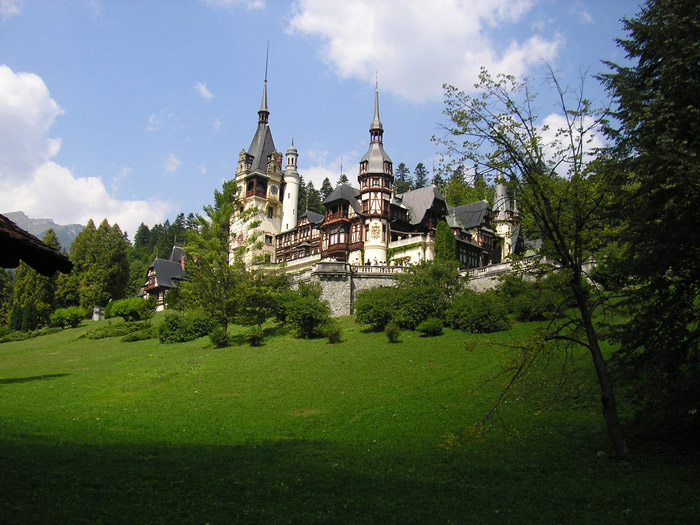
(123, 173)
(172, 163)
(203, 90)
(202, 170)
(423, 44)
(164, 120)
(32, 182)
(10, 8)
(555, 136)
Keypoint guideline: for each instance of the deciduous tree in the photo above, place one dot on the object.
(558, 185)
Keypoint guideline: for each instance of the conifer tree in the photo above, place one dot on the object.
(326, 189)
(420, 176)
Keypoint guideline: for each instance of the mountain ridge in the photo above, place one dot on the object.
(65, 233)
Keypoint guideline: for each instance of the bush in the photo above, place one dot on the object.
(479, 313)
(115, 330)
(67, 317)
(431, 327)
(308, 317)
(179, 328)
(376, 306)
(334, 333)
(141, 335)
(393, 332)
(131, 309)
(219, 337)
(416, 304)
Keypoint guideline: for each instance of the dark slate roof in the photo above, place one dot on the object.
(167, 272)
(177, 254)
(419, 201)
(467, 216)
(261, 148)
(16, 244)
(314, 218)
(345, 192)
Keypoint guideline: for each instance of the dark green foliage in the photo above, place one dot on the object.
(68, 317)
(308, 317)
(443, 274)
(445, 243)
(326, 189)
(478, 313)
(334, 333)
(219, 337)
(420, 176)
(376, 307)
(658, 145)
(117, 330)
(313, 201)
(529, 300)
(6, 285)
(30, 317)
(16, 317)
(393, 332)
(418, 304)
(178, 327)
(431, 327)
(403, 178)
(151, 332)
(131, 309)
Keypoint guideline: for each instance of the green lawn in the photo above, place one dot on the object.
(100, 431)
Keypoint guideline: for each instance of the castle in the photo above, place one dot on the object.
(366, 226)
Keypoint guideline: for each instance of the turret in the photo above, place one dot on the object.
(291, 190)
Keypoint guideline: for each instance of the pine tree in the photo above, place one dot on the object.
(326, 189)
(343, 179)
(420, 176)
(313, 199)
(658, 140)
(32, 287)
(403, 178)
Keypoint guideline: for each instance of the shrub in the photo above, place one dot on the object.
(16, 317)
(334, 333)
(179, 328)
(141, 335)
(479, 313)
(392, 331)
(376, 306)
(308, 317)
(219, 337)
(115, 330)
(131, 309)
(67, 317)
(416, 304)
(431, 327)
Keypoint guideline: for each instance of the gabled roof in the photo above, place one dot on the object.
(345, 192)
(314, 218)
(467, 216)
(419, 201)
(16, 244)
(167, 272)
(177, 254)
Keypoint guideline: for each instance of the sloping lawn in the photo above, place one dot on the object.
(296, 431)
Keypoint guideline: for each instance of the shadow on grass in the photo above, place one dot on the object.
(12, 380)
(320, 482)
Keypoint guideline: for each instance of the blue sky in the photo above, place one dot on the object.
(136, 111)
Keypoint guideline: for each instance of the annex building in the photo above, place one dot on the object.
(367, 224)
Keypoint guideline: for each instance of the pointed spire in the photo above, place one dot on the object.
(264, 113)
(376, 123)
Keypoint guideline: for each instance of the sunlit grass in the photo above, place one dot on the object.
(100, 431)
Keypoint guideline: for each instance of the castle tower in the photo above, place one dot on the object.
(376, 180)
(505, 219)
(259, 181)
(290, 194)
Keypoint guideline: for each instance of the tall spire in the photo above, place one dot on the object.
(376, 122)
(264, 113)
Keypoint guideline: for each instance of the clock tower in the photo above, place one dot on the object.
(376, 180)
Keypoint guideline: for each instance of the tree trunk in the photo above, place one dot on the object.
(607, 394)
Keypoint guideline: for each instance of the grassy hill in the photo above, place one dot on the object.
(100, 431)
